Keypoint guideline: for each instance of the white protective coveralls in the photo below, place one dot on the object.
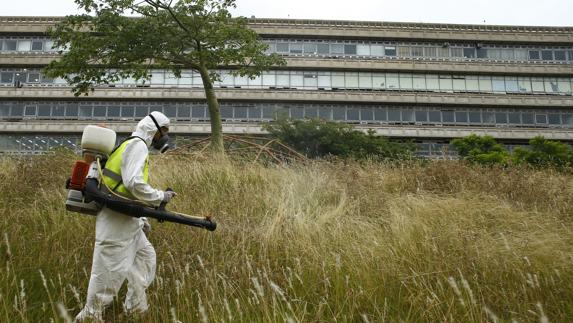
(122, 250)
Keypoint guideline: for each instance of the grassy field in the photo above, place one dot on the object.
(321, 242)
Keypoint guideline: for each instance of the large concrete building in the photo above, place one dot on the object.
(426, 82)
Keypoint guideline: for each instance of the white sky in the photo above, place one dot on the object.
(496, 12)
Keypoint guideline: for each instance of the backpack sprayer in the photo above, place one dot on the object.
(88, 194)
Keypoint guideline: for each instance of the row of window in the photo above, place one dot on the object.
(257, 112)
(361, 49)
(313, 80)
(429, 51)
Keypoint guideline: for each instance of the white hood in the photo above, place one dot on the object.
(146, 128)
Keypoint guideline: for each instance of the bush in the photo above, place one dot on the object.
(481, 150)
(544, 153)
(320, 138)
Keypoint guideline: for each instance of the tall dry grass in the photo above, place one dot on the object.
(319, 242)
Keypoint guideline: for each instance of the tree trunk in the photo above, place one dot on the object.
(214, 112)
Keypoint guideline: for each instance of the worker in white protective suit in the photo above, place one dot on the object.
(122, 250)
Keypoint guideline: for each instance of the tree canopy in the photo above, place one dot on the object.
(117, 39)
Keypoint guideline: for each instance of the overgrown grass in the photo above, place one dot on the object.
(307, 243)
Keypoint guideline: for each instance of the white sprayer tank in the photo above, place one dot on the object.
(98, 139)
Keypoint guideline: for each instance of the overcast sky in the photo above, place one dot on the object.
(504, 12)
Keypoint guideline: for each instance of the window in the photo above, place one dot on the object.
(297, 112)
(353, 114)
(567, 119)
(475, 116)
(378, 80)
(169, 110)
(126, 112)
(86, 112)
(488, 117)
(323, 49)
(17, 110)
(310, 112)
(389, 51)
(58, 110)
(30, 111)
(380, 114)
(498, 84)
(197, 112)
(459, 83)
(511, 84)
(226, 112)
(521, 54)
(24, 45)
(403, 51)
(445, 83)
(435, 116)
(564, 85)
(482, 53)
(10, 45)
(472, 83)
(547, 55)
(408, 115)
(524, 84)
(337, 49)
(268, 112)
(241, 113)
(255, 113)
(560, 55)
(417, 51)
(141, 111)
(296, 48)
(324, 80)
(554, 118)
(394, 114)
(7, 77)
(339, 113)
(44, 110)
(534, 55)
(551, 85)
(431, 51)
(485, 84)
(363, 50)
(366, 114)
(419, 82)
(461, 116)
(405, 81)
(514, 117)
(443, 52)
(392, 81)
(432, 82)
(351, 80)
(72, 111)
(338, 80)
(378, 51)
(325, 113)
(309, 48)
(100, 111)
(283, 79)
(365, 80)
(507, 54)
(541, 119)
(37, 45)
(282, 48)
(570, 55)
(448, 116)
(421, 116)
(269, 79)
(469, 52)
(501, 117)
(537, 84)
(310, 80)
(527, 118)
(34, 78)
(350, 49)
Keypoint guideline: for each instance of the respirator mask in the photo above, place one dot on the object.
(160, 144)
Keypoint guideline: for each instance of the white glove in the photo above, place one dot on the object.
(146, 226)
(168, 195)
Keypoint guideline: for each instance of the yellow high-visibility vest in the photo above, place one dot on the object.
(112, 171)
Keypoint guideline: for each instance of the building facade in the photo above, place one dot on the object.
(424, 82)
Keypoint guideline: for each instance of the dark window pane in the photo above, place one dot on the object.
(514, 118)
(353, 114)
(184, 112)
(323, 48)
(435, 116)
(9, 45)
(296, 48)
(255, 113)
(37, 45)
(198, 112)
(282, 113)
(475, 116)
(394, 115)
(560, 55)
(4, 110)
(366, 114)
(408, 115)
(170, 111)
(141, 112)
(469, 52)
(554, 119)
(30, 110)
(85, 111)
(325, 113)
(482, 53)
(58, 110)
(527, 118)
(390, 51)
(7, 77)
(461, 116)
(72, 110)
(547, 55)
(339, 113)
(44, 110)
(350, 49)
(127, 111)
(282, 47)
(448, 116)
(488, 117)
(226, 112)
(297, 112)
(501, 117)
(533, 54)
(17, 110)
(240, 112)
(310, 112)
(540, 118)
(268, 112)
(100, 111)
(421, 116)
(380, 114)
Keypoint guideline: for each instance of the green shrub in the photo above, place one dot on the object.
(320, 138)
(544, 153)
(483, 150)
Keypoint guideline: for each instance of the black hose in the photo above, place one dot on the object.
(136, 210)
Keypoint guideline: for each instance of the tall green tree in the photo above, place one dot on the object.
(117, 39)
(544, 153)
(481, 150)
